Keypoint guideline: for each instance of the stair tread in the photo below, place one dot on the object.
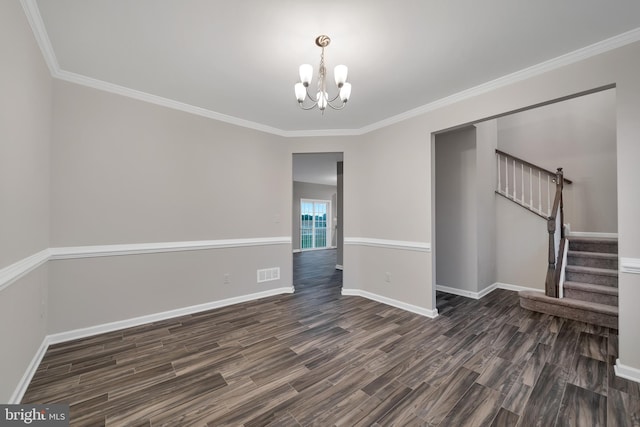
(592, 270)
(592, 254)
(570, 302)
(593, 239)
(600, 289)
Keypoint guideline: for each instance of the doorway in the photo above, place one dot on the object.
(317, 217)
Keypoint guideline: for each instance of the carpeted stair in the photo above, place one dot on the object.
(590, 287)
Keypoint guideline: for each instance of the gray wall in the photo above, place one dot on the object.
(151, 174)
(25, 124)
(457, 210)
(578, 135)
(522, 245)
(308, 190)
(486, 142)
(465, 207)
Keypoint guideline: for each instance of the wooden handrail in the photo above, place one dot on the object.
(531, 165)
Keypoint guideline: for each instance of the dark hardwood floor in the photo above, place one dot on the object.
(317, 358)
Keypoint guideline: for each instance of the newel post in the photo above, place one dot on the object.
(560, 188)
(550, 282)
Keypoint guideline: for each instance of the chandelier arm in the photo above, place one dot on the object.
(307, 108)
(335, 97)
(344, 104)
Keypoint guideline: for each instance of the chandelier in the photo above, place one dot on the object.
(322, 97)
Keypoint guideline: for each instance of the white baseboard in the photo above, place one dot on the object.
(486, 291)
(627, 372)
(339, 267)
(122, 324)
(392, 302)
(516, 288)
(16, 397)
(156, 317)
(297, 251)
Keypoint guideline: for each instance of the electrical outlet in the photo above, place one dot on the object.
(387, 277)
(226, 278)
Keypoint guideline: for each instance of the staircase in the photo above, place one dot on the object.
(590, 287)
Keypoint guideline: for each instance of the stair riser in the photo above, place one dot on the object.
(582, 261)
(606, 320)
(591, 297)
(595, 279)
(607, 248)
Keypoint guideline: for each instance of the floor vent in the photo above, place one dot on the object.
(268, 274)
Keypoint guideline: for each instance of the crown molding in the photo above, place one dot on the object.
(37, 25)
(164, 102)
(598, 48)
(40, 33)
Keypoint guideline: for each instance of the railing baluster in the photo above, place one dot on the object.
(506, 176)
(539, 193)
(530, 188)
(522, 180)
(499, 173)
(514, 179)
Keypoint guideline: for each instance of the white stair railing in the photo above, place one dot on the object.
(526, 184)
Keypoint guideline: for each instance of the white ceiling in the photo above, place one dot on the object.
(316, 168)
(238, 60)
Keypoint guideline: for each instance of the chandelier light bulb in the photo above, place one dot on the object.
(301, 92)
(306, 74)
(345, 92)
(340, 75)
(322, 98)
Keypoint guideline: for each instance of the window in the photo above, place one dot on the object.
(314, 224)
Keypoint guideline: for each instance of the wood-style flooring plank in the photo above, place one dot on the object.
(319, 358)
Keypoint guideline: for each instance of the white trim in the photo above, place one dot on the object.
(460, 292)
(630, 265)
(392, 302)
(35, 20)
(339, 267)
(17, 395)
(592, 235)
(297, 251)
(626, 372)
(15, 271)
(486, 291)
(535, 70)
(164, 102)
(155, 317)
(151, 248)
(40, 33)
(389, 244)
(516, 288)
